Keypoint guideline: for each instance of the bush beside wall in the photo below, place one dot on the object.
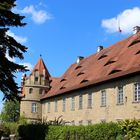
(104, 131)
(35, 131)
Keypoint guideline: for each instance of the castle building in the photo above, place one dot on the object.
(103, 87)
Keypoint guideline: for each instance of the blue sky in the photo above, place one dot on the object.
(61, 30)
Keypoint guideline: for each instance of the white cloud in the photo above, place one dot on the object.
(38, 16)
(17, 38)
(127, 20)
(29, 65)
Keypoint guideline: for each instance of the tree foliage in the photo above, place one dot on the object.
(9, 46)
(10, 111)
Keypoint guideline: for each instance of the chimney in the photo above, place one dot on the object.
(99, 48)
(136, 29)
(79, 59)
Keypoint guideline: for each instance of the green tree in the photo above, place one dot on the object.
(10, 111)
(8, 45)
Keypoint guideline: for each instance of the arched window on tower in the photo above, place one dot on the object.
(30, 90)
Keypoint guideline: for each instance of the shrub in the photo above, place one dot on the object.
(36, 131)
(131, 128)
(13, 127)
(104, 131)
(4, 131)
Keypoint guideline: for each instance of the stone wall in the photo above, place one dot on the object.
(111, 112)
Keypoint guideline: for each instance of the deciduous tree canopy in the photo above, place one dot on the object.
(9, 46)
(10, 111)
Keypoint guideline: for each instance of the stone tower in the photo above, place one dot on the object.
(33, 87)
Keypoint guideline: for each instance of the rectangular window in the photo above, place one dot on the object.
(81, 122)
(30, 90)
(72, 103)
(137, 92)
(89, 100)
(64, 105)
(80, 102)
(55, 109)
(103, 98)
(34, 107)
(89, 122)
(73, 122)
(49, 107)
(36, 73)
(120, 95)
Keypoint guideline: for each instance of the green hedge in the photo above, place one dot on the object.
(130, 129)
(104, 131)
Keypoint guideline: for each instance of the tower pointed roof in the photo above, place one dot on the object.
(40, 66)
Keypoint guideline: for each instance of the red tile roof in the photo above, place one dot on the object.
(118, 60)
(40, 66)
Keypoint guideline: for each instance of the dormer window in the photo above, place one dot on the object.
(134, 42)
(102, 56)
(83, 81)
(78, 67)
(109, 62)
(80, 73)
(62, 80)
(114, 71)
(62, 87)
(138, 52)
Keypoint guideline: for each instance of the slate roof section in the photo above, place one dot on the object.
(120, 59)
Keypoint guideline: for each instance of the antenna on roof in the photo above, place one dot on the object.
(40, 55)
(119, 28)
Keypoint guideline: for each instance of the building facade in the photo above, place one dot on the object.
(103, 87)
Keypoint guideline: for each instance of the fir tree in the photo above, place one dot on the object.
(9, 46)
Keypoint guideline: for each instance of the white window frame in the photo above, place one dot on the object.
(89, 100)
(103, 98)
(73, 103)
(137, 92)
(81, 101)
(120, 95)
(49, 107)
(56, 106)
(34, 107)
(64, 105)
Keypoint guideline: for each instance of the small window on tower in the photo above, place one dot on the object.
(30, 90)
(36, 79)
(36, 73)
